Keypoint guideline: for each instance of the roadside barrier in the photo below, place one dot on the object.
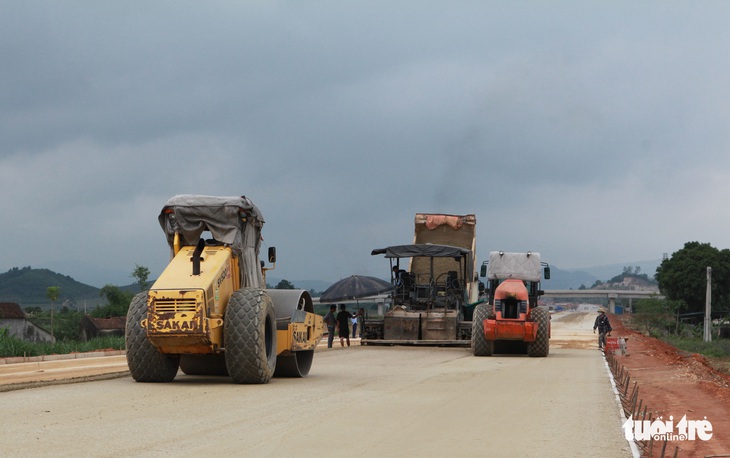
(634, 407)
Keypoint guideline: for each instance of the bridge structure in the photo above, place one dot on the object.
(610, 294)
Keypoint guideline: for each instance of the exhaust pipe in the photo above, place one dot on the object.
(196, 256)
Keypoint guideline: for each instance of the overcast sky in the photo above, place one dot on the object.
(592, 132)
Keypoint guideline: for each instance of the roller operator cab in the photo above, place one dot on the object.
(209, 312)
(510, 321)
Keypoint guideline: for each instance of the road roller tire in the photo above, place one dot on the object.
(541, 346)
(480, 346)
(249, 331)
(295, 364)
(146, 363)
(286, 303)
(203, 364)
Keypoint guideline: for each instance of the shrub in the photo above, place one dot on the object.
(716, 348)
(12, 346)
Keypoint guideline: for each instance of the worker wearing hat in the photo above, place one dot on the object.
(603, 326)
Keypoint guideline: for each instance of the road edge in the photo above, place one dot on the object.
(632, 443)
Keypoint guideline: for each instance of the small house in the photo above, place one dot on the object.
(13, 319)
(93, 327)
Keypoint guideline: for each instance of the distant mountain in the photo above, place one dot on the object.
(91, 274)
(568, 279)
(559, 278)
(606, 272)
(574, 278)
(27, 287)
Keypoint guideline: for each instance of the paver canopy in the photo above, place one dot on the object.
(429, 250)
(422, 249)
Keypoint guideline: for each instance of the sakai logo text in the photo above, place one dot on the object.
(642, 430)
(176, 325)
(299, 336)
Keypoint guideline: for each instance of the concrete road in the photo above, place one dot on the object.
(357, 401)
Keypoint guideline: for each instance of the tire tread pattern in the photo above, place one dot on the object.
(250, 346)
(480, 346)
(541, 346)
(146, 363)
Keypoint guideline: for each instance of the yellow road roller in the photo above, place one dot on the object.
(209, 312)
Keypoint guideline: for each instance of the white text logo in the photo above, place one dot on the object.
(642, 430)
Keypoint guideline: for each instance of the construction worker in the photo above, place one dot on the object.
(343, 324)
(331, 322)
(603, 326)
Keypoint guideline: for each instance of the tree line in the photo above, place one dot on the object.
(65, 324)
(682, 279)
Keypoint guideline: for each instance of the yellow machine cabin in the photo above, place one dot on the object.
(190, 320)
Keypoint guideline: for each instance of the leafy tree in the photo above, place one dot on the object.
(141, 274)
(683, 276)
(52, 293)
(285, 284)
(68, 326)
(118, 302)
(655, 315)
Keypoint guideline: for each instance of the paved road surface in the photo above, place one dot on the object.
(357, 401)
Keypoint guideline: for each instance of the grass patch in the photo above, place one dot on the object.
(715, 349)
(716, 352)
(11, 346)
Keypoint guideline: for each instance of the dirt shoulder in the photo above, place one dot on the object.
(20, 373)
(676, 383)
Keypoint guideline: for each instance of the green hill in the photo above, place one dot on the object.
(27, 287)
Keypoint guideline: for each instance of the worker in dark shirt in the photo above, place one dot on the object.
(398, 276)
(343, 323)
(603, 326)
(331, 322)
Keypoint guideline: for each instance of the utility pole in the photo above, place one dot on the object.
(708, 308)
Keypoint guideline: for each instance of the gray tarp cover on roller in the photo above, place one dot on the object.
(192, 215)
(523, 266)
